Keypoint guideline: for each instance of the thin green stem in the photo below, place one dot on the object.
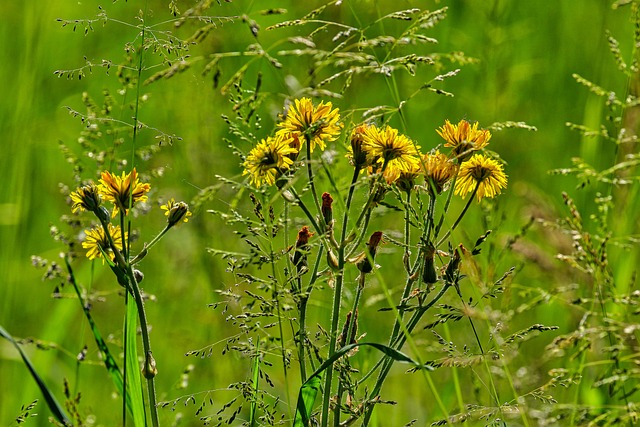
(447, 203)
(347, 340)
(149, 245)
(312, 185)
(151, 389)
(337, 298)
(397, 344)
(464, 211)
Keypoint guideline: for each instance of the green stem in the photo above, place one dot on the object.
(135, 290)
(397, 344)
(464, 211)
(312, 185)
(151, 389)
(148, 246)
(337, 298)
(347, 341)
(447, 203)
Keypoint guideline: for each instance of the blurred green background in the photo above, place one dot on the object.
(526, 51)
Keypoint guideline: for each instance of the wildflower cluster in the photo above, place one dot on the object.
(393, 164)
(381, 150)
(123, 192)
(111, 243)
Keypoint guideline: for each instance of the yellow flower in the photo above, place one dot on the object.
(438, 170)
(96, 240)
(482, 172)
(123, 191)
(318, 124)
(87, 198)
(267, 160)
(356, 152)
(176, 212)
(404, 180)
(385, 146)
(464, 138)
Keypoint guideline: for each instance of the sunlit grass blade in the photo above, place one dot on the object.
(109, 361)
(52, 403)
(255, 383)
(309, 389)
(134, 378)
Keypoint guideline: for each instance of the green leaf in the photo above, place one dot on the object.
(309, 390)
(256, 377)
(109, 361)
(52, 403)
(134, 378)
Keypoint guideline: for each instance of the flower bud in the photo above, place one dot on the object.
(176, 212)
(302, 249)
(327, 211)
(149, 370)
(138, 275)
(350, 323)
(87, 198)
(364, 263)
(429, 274)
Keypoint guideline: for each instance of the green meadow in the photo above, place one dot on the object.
(540, 326)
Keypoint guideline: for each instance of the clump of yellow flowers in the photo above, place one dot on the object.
(381, 150)
(123, 192)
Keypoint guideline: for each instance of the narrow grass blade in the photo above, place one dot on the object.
(256, 378)
(134, 378)
(109, 361)
(309, 390)
(52, 403)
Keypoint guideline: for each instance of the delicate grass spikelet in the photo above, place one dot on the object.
(269, 159)
(482, 172)
(318, 124)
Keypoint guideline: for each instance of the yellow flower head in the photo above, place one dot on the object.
(267, 160)
(464, 138)
(385, 146)
(317, 124)
(438, 170)
(482, 172)
(86, 198)
(123, 191)
(176, 212)
(97, 242)
(404, 180)
(356, 152)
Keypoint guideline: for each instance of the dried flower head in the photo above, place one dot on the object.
(269, 159)
(123, 191)
(96, 241)
(438, 171)
(176, 212)
(482, 172)
(318, 124)
(385, 146)
(464, 138)
(86, 198)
